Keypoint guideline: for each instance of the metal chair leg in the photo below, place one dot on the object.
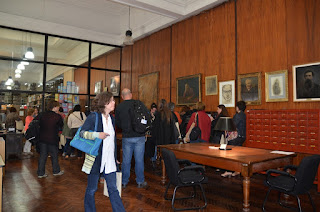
(312, 203)
(166, 192)
(265, 199)
(299, 205)
(173, 198)
(204, 197)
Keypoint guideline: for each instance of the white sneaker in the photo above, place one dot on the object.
(226, 174)
(59, 173)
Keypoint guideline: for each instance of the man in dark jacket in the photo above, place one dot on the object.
(50, 124)
(132, 142)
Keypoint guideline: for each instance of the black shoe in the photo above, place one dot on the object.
(143, 185)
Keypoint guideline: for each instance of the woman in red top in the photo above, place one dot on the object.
(204, 123)
(29, 118)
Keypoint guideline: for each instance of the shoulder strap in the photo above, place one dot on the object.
(78, 117)
(197, 119)
(81, 115)
(96, 123)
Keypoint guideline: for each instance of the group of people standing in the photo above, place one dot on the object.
(167, 127)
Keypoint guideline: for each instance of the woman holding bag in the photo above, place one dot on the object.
(105, 162)
(202, 120)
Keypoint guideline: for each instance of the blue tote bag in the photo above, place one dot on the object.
(90, 147)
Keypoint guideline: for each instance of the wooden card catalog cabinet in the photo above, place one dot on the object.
(287, 130)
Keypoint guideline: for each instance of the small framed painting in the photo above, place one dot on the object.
(227, 93)
(211, 84)
(277, 86)
(98, 87)
(249, 88)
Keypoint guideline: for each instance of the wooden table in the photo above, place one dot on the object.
(242, 159)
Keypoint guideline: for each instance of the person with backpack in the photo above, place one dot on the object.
(134, 119)
(75, 120)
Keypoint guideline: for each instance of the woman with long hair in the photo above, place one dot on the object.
(105, 162)
(163, 125)
(215, 134)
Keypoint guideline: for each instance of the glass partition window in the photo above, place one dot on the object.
(15, 44)
(67, 51)
(29, 79)
(23, 67)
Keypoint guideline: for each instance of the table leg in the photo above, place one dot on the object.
(163, 178)
(246, 193)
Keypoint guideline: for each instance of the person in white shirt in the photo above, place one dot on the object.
(106, 160)
(75, 120)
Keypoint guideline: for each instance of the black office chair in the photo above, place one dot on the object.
(293, 185)
(188, 176)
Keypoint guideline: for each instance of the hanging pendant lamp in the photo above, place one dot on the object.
(29, 54)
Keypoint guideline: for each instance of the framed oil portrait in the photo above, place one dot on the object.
(211, 83)
(189, 89)
(277, 86)
(306, 82)
(98, 87)
(148, 88)
(249, 88)
(114, 86)
(227, 93)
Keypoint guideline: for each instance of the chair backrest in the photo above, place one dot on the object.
(172, 165)
(306, 173)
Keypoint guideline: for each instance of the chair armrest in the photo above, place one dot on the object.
(282, 173)
(292, 167)
(184, 162)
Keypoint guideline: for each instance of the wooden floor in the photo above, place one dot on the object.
(23, 191)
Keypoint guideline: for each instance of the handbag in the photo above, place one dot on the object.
(119, 184)
(88, 146)
(196, 131)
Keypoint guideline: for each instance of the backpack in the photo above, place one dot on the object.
(140, 117)
(33, 131)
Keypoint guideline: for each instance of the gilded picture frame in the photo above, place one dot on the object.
(148, 88)
(249, 88)
(227, 93)
(188, 90)
(276, 86)
(211, 85)
(306, 82)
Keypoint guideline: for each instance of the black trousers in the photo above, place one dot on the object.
(44, 150)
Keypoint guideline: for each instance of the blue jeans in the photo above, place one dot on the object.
(134, 146)
(89, 202)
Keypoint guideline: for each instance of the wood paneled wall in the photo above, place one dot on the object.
(271, 35)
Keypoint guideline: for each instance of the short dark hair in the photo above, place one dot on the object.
(153, 105)
(51, 104)
(12, 110)
(241, 105)
(77, 108)
(307, 71)
(101, 100)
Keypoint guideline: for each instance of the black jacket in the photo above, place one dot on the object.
(123, 119)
